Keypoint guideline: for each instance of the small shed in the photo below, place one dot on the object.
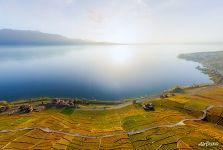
(134, 102)
(149, 107)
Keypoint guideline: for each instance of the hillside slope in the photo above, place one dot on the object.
(26, 37)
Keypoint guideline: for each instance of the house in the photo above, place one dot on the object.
(39, 108)
(3, 108)
(25, 108)
(149, 107)
(61, 103)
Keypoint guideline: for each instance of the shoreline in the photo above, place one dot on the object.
(213, 74)
(206, 68)
(110, 102)
(114, 102)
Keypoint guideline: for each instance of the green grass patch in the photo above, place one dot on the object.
(67, 111)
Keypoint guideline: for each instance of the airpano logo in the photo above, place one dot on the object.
(208, 144)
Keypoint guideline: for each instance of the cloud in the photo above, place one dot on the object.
(95, 16)
(167, 4)
(141, 2)
(60, 3)
(69, 1)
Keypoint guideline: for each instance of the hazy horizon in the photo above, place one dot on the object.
(135, 21)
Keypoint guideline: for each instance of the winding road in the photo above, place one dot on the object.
(118, 106)
(113, 134)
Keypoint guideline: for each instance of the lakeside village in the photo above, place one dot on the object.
(41, 104)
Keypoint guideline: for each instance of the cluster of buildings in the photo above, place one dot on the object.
(64, 103)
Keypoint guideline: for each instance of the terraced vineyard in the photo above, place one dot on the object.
(130, 127)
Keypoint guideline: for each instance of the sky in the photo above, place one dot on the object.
(123, 21)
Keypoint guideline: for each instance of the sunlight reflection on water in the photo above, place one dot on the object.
(104, 72)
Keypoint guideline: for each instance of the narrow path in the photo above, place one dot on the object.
(114, 134)
(199, 90)
(119, 106)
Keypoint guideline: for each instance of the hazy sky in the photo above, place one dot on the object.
(118, 20)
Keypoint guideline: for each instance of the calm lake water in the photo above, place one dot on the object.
(102, 72)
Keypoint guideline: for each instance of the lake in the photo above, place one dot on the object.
(108, 72)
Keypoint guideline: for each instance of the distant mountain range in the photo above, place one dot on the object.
(27, 37)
